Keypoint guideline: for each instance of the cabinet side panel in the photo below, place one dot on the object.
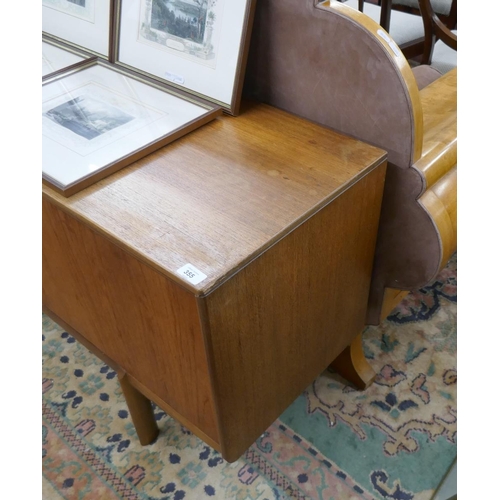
(140, 319)
(278, 323)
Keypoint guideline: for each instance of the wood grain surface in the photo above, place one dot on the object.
(439, 149)
(140, 319)
(277, 324)
(141, 416)
(441, 203)
(222, 195)
(139, 406)
(282, 216)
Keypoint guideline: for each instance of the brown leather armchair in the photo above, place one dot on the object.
(335, 66)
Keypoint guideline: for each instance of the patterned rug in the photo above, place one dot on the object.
(396, 440)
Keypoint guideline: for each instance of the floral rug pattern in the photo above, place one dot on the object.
(395, 440)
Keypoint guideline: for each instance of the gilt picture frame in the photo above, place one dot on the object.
(200, 46)
(97, 119)
(84, 24)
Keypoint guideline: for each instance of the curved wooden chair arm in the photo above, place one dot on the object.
(448, 37)
(435, 29)
(451, 21)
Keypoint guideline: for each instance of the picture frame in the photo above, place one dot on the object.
(58, 57)
(84, 24)
(99, 118)
(199, 46)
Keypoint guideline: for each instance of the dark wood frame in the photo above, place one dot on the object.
(212, 112)
(234, 107)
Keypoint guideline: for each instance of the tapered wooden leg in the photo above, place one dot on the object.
(353, 366)
(140, 410)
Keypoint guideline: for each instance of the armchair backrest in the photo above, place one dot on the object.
(335, 66)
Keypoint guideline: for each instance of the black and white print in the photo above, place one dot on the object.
(88, 117)
(185, 27)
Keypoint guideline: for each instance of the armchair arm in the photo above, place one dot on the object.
(446, 35)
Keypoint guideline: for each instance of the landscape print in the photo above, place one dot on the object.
(83, 9)
(185, 19)
(184, 26)
(88, 117)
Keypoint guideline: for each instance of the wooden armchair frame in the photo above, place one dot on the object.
(334, 65)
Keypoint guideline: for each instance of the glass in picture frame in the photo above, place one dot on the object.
(97, 119)
(200, 46)
(84, 24)
(58, 57)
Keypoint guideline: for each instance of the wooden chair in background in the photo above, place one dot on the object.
(446, 10)
(435, 29)
(417, 28)
(406, 29)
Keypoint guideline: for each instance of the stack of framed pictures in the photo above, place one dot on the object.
(57, 57)
(74, 31)
(122, 78)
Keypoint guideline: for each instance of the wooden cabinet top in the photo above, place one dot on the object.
(220, 196)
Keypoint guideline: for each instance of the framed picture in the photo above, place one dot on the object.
(98, 119)
(85, 24)
(57, 57)
(197, 45)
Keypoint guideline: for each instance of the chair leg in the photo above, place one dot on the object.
(353, 366)
(140, 410)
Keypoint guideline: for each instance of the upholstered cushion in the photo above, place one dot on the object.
(439, 6)
(425, 75)
(404, 27)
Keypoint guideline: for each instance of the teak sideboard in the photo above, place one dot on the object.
(221, 274)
